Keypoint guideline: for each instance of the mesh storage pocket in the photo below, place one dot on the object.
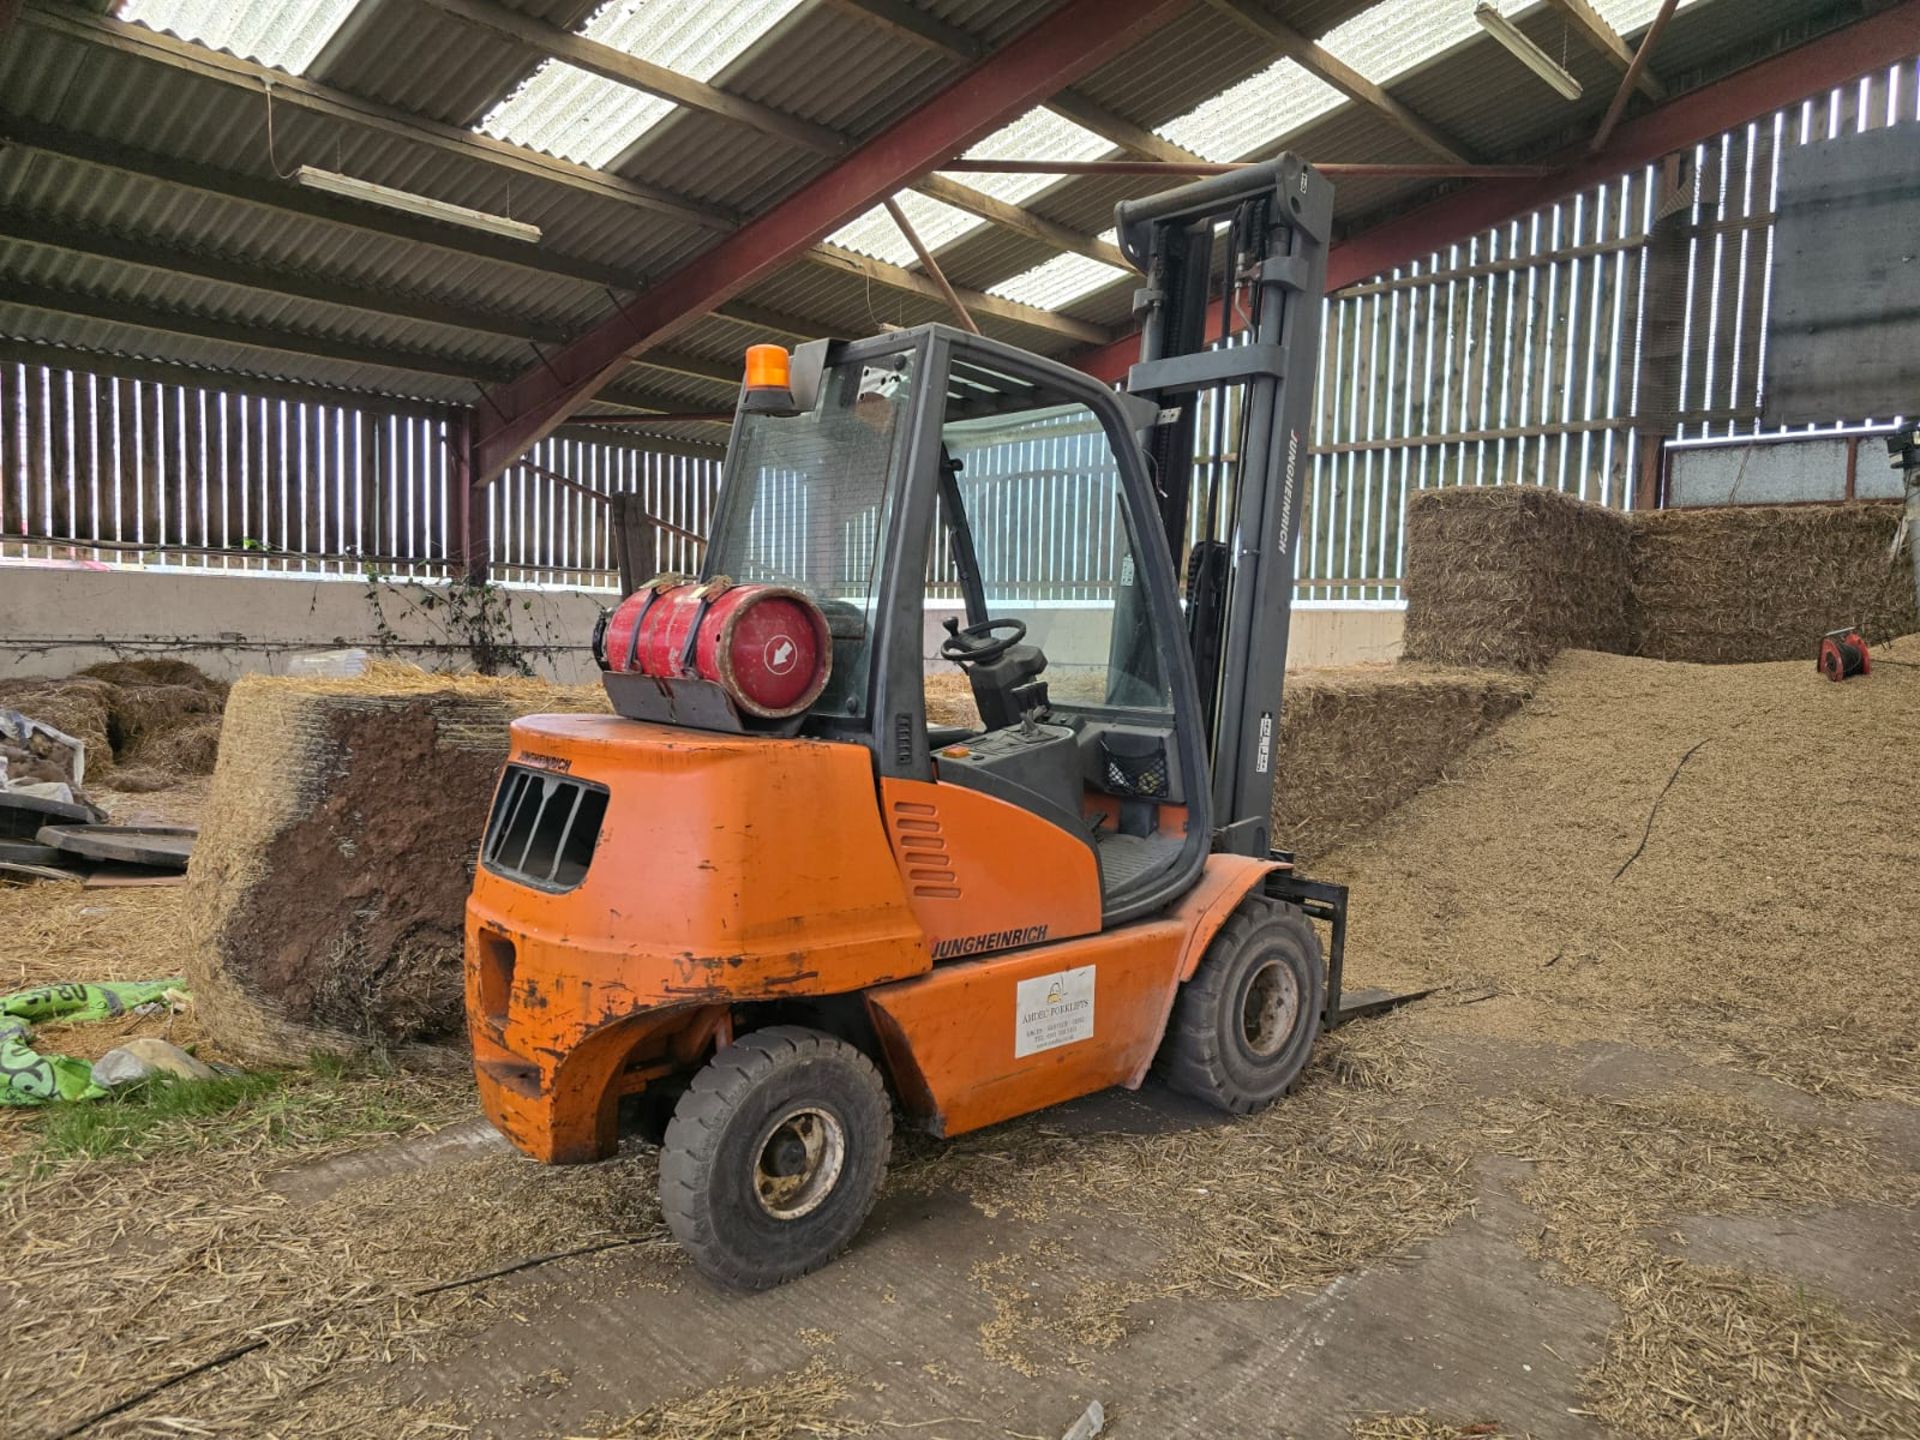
(1135, 765)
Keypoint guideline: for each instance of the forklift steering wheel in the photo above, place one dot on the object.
(977, 644)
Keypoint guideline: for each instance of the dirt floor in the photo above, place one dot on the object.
(1647, 1163)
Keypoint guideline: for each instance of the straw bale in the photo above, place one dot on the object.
(1513, 575)
(156, 671)
(82, 708)
(1357, 742)
(154, 715)
(1672, 854)
(1762, 582)
(326, 895)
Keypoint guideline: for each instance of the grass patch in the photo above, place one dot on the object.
(157, 1114)
(275, 1109)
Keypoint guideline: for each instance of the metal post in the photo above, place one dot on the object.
(471, 540)
(930, 265)
(1632, 78)
(636, 543)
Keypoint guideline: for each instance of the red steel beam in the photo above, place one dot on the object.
(702, 417)
(1333, 170)
(1079, 36)
(1832, 60)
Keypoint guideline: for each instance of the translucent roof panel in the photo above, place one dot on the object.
(1062, 280)
(1036, 135)
(1382, 42)
(592, 120)
(1281, 98)
(1627, 16)
(1385, 41)
(286, 34)
(874, 233)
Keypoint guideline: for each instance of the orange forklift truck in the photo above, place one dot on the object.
(764, 927)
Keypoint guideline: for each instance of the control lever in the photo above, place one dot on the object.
(1032, 700)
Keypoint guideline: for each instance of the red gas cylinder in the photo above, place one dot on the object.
(665, 630)
(766, 645)
(616, 642)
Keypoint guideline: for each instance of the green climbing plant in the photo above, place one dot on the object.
(475, 616)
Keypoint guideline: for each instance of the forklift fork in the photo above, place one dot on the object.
(1324, 900)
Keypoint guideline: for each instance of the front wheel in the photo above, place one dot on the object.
(774, 1156)
(1243, 1026)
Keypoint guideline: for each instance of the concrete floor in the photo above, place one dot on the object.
(1468, 1328)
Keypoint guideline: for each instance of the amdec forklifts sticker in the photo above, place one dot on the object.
(1052, 1010)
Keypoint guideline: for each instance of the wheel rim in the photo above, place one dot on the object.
(799, 1162)
(1270, 1010)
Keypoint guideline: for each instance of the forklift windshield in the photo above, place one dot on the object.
(808, 503)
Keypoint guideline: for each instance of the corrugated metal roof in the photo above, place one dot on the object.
(1062, 280)
(569, 112)
(822, 62)
(286, 34)
(1037, 135)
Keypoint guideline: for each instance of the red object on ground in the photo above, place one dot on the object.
(1843, 654)
(766, 645)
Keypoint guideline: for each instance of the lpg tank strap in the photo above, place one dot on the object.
(709, 592)
(653, 589)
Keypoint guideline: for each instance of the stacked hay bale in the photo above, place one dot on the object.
(80, 707)
(145, 723)
(326, 898)
(1511, 576)
(1760, 582)
(163, 719)
(1358, 742)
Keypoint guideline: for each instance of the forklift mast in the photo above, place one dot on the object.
(1239, 578)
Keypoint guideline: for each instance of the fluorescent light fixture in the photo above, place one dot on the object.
(424, 206)
(1525, 51)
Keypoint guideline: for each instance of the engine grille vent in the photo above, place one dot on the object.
(923, 850)
(543, 828)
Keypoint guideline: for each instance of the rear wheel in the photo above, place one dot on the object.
(774, 1156)
(1243, 1026)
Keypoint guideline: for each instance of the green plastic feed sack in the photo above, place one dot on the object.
(30, 1078)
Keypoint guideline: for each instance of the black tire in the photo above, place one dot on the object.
(744, 1172)
(1243, 1026)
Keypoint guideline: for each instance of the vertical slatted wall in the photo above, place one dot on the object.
(1524, 355)
(1043, 512)
(1508, 359)
(1533, 353)
(141, 472)
(548, 518)
(1729, 241)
